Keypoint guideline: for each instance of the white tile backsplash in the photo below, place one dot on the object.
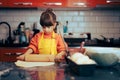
(97, 22)
(84, 13)
(96, 13)
(78, 18)
(90, 18)
(106, 25)
(116, 25)
(113, 30)
(71, 13)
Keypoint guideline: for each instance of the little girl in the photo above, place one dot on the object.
(47, 42)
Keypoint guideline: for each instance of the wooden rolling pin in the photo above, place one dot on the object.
(39, 58)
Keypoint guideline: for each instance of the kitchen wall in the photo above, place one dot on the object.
(97, 22)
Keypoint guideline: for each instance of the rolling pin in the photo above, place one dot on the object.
(39, 58)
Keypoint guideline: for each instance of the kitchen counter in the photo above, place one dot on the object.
(9, 71)
(9, 54)
(14, 45)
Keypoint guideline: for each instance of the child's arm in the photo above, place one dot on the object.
(22, 57)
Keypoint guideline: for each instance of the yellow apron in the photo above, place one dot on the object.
(47, 46)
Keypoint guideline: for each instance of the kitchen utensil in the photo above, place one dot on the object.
(39, 58)
(9, 39)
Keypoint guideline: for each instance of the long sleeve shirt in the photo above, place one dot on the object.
(59, 42)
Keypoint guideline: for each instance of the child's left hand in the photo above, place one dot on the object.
(60, 57)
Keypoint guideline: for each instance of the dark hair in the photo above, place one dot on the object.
(48, 18)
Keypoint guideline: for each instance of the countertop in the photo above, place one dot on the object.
(9, 71)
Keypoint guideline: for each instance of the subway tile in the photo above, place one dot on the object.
(61, 13)
(82, 24)
(114, 30)
(19, 18)
(78, 18)
(6, 18)
(32, 19)
(107, 18)
(116, 24)
(108, 13)
(66, 18)
(96, 13)
(96, 24)
(84, 13)
(72, 24)
(90, 18)
(106, 22)
(100, 31)
(71, 13)
(80, 30)
(106, 25)
(94, 30)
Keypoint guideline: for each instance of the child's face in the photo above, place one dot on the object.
(49, 29)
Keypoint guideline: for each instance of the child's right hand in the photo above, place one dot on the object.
(21, 57)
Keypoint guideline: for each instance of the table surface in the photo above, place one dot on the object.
(9, 71)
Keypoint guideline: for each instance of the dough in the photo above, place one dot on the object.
(79, 58)
(33, 64)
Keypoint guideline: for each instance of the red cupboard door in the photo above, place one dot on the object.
(52, 3)
(23, 3)
(101, 2)
(94, 3)
(3, 3)
(76, 3)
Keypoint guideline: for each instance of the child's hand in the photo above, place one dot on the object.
(60, 57)
(21, 57)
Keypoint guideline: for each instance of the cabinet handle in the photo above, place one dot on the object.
(80, 4)
(24, 3)
(12, 54)
(0, 3)
(53, 3)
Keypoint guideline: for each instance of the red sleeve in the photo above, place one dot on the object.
(60, 44)
(34, 43)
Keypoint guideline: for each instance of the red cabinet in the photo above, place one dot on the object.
(85, 3)
(22, 3)
(52, 3)
(77, 3)
(32, 3)
(94, 3)
(3, 3)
